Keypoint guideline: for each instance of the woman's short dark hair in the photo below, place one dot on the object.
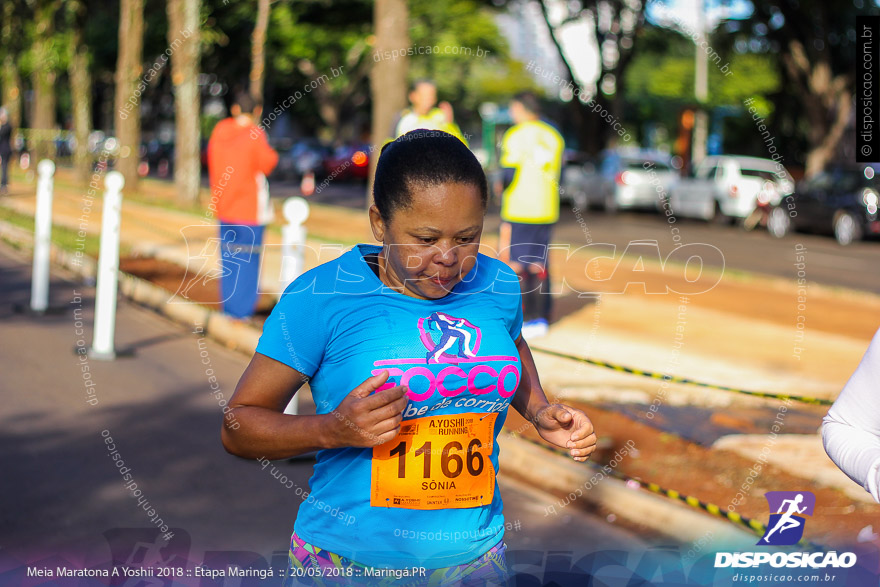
(423, 158)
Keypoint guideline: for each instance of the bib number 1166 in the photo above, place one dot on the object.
(436, 462)
(451, 463)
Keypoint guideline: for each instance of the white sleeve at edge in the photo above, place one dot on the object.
(851, 430)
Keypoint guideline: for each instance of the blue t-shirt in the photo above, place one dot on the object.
(339, 324)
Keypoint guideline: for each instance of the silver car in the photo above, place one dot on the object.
(624, 179)
(577, 174)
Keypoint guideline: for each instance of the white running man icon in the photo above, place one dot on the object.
(786, 522)
(452, 330)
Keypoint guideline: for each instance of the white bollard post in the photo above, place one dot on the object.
(42, 237)
(108, 270)
(293, 240)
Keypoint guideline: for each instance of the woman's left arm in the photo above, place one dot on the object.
(558, 424)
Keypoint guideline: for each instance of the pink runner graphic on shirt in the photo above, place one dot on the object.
(454, 332)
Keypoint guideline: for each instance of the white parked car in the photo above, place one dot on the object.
(730, 187)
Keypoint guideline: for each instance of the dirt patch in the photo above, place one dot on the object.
(714, 476)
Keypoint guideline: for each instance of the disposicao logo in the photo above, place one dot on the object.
(786, 525)
(785, 528)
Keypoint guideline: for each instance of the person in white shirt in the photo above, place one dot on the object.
(424, 112)
(851, 430)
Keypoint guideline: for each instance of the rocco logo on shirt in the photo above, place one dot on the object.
(454, 342)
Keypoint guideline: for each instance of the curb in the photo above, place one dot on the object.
(542, 468)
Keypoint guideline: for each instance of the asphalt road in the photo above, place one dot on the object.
(855, 267)
(62, 498)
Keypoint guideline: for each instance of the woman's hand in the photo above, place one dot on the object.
(365, 418)
(568, 428)
(256, 426)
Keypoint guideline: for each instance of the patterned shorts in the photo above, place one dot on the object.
(310, 565)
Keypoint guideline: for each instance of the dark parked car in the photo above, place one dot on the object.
(159, 158)
(308, 156)
(841, 201)
(350, 161)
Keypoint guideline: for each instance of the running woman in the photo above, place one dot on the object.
(405, 473)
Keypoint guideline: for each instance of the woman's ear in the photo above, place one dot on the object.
(377, 225)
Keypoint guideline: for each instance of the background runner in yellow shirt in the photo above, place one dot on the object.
(531, 151)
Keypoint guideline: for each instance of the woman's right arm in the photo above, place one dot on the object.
(363, 418)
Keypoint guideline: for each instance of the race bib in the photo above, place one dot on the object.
(436, 462)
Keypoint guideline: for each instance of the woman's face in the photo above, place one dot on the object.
(430, 246)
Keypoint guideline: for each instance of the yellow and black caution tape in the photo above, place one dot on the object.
(684, 380)
(750, 524)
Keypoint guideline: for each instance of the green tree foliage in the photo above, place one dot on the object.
(470, 60)
(668, 75)
(660, 79)
(816, 43)
(454, 42)
(305, 40)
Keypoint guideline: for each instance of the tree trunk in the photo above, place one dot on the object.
(823, 150)
(388, 78)
(12, 91)
(827, 100)
(183, 25)
(11, 79)
(258, 53)
(129, 87)
(43, 80)
(80, 90)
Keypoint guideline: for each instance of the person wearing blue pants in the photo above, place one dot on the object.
(240, 259)
(239, 159)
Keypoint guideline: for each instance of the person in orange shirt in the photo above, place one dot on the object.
(239, 159)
